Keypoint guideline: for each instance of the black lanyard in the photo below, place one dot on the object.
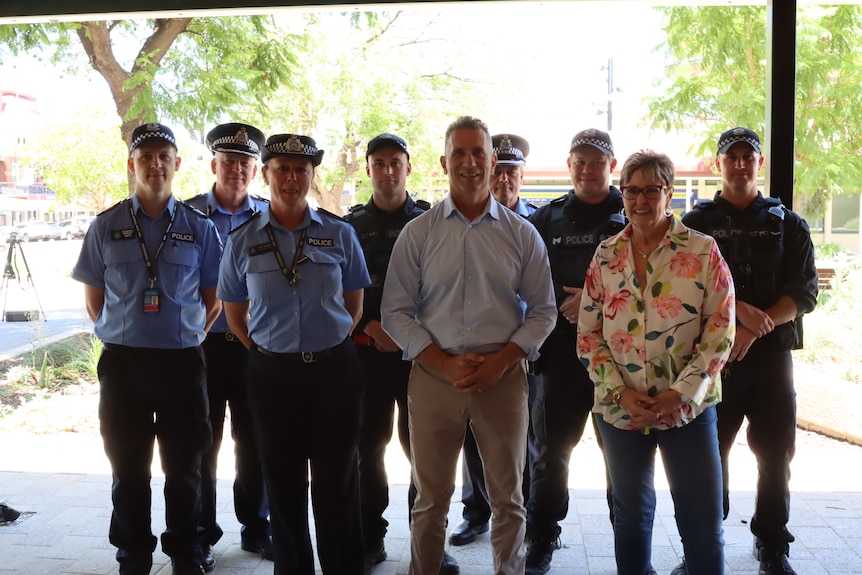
(291, 274)
(149, 263)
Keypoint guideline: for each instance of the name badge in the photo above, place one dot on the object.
(151, 300)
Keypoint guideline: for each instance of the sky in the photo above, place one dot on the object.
(544, 64)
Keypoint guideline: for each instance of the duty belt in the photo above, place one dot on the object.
(300, 357)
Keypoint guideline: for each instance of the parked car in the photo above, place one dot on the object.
(75, 228)
(33, 231)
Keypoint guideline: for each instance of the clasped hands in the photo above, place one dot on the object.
(645, 410)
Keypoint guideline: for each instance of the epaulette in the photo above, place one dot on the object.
(245, 223)
(775, 207)
(330, 214)
(114, 207)
(353, 208)
(260, 198)
(197, 197)
(561, 200)
(192, 209)
(532, 205)
(704, 204)
(770, 201)
(424, 204)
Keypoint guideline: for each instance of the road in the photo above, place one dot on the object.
(48, 283)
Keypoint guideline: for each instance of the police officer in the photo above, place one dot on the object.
(236, 150)
(572, 227)
(511, 152)
(149, 266)
(771, 257)
(292, 280)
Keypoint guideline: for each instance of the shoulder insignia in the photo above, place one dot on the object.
(532, 205)
(245, 223)
(260, 198)
(191, 208)
(770, 201)
(114, 207)
(704, 204)
(330, 214)
(355, 207)
(561, 200)
(425, 205)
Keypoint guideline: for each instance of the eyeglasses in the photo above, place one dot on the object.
(649, 192)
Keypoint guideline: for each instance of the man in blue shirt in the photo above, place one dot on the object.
(236, 150)
(511, 152)
(468, 296)
(150, 267)
(292, 279)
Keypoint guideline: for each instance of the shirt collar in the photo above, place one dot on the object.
(492, 208)
(170, 207)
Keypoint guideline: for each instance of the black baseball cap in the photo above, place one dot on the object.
(734, 135)
(386, 140)
(152, 131)
(595, 138)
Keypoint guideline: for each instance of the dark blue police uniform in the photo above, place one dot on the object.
(769, 251)
(571, 230)
(226, 366)
(152, 372)
(305, 391)
(384, 375)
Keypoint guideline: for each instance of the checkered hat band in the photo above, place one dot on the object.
(591, 141)
(157, 134)
(518, 154)
(734, 139)
(283, 148)
(250, 144)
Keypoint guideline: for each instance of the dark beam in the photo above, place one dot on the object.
(780, 134)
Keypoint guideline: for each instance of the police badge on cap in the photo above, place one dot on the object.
(595, 138)
(236, 138)
(511, 150)
(150, 132)
(292, 145)
(734, 135)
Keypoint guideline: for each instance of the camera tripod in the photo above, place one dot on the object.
(11, 272)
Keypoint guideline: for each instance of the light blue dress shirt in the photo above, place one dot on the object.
(111, 259)
(309, 316)
(468, 286)
(225, 221)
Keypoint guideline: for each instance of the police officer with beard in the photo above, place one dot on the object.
(572, 226)
(769, 251)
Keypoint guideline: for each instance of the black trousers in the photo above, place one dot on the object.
(563, 405)
(474, 494)
(226, 385)
(384, 378)
(308, 415)
(149, 394)
(760, 387)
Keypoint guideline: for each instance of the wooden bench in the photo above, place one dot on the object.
(824, 278)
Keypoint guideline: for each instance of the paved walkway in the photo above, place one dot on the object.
(64, 481)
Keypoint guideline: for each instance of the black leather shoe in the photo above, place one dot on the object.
(466, 532)
(178, 568)
(207, 559)
(374, 555)
(261, 545)
(449, 566)
(539, 554)
(772, 563)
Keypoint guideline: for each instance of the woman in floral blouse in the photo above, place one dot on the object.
(656, 326)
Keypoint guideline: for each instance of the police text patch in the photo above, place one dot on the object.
(321, 242)
(177, 236)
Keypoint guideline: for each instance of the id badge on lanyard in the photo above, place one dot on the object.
(152, 293)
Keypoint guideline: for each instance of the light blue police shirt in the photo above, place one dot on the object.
(225, 221)
(309, 316)
(111, 259)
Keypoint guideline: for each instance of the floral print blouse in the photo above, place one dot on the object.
(677, 334)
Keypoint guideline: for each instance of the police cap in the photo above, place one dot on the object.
(236, 138)
(149, 132)
(511, 150)
(292, 145)
(390, 140)
(595, 138)
(734, 135)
